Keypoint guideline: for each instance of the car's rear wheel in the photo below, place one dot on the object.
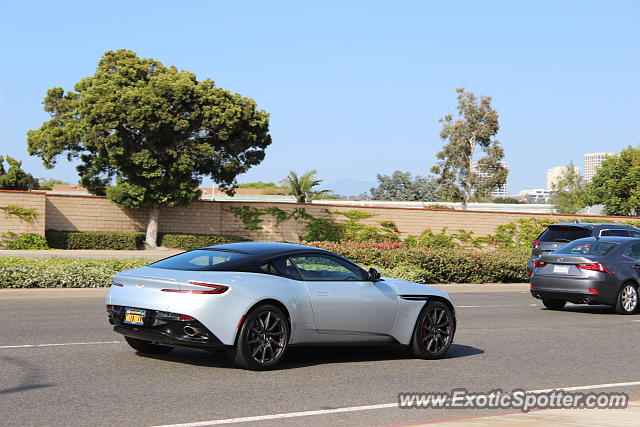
(627, 299)
(262, 340)
(147, 347)
(433, 333)
(554, 304)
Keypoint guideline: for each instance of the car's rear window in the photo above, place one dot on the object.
(564, 233)
(199, 260)
(587, 248)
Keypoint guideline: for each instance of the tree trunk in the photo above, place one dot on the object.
(152, 227)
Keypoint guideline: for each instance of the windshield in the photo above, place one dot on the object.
(198, 260)
(563, 233)
(587, 248)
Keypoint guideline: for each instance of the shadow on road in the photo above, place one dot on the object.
(30, 375)
(587, 309)
(299, 357)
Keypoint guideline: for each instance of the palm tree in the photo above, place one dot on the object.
(302, 187)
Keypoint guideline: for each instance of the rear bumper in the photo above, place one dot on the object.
(163, 331)
(577, 291)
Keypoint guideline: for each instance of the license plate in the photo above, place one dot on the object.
(562, 269)
(134, 316)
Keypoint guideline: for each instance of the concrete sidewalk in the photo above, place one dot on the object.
(152, 254)
(555, 417)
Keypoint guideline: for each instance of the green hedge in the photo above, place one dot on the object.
(117, 240)
(61, 272)
(427, 265)
(194, 241)
(130, 240)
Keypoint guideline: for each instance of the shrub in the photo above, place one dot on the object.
(117, 240)
(24, 241)
(61, 272)
(194, 241)
(435, 265)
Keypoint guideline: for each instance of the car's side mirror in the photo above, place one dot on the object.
(374, 275)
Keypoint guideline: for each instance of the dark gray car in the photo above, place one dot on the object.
(593, 270)
(558, 235)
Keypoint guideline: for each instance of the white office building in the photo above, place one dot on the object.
(592, 162)
(554, 174)
(536, 195)
(499, 191)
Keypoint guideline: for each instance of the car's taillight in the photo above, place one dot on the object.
(594, 291)
(595, 266)
(538, 263)
(535, 243)
(185, 317)
(214, 288)
(117, 284)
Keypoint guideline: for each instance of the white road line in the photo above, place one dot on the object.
(59, 344)
(367, 407)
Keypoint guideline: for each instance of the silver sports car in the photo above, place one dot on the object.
(254, 299)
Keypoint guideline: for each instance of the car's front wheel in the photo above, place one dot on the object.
(434, 331)
(147, 347)
(627, 299)
(262, 340)
(554, 304)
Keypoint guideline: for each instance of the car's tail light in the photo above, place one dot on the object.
(185, 317)
(529, 273)
(214, 288)
(594, 291)
(538, 263)
(594, 266)
(535, 243)
(117, 284)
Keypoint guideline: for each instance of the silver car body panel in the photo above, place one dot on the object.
(320, 311)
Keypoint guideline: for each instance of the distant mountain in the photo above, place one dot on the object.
(348, 186)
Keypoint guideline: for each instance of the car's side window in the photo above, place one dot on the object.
(326, 268)
(282, 267)
(618, 233)
(634, 233)
(633, 251)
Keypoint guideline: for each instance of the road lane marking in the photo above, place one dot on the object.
(60, 344)
(367, 407)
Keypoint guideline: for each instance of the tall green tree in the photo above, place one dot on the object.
(15, 178)
(157, 130)
(616, 184)
(568, 192)
(301, 187)
(403, 186)
(474, 127)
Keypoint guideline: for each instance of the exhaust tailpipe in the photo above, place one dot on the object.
(191, 331)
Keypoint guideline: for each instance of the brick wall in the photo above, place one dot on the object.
(86, 213)
(23, 199)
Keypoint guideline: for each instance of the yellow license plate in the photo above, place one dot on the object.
(134, 316)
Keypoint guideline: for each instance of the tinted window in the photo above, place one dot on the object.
(198, 260)
(633, 251)
(564, 233)
(324, 268)
(282, 267)
(634, 233)
(586, 248)
(619, 233)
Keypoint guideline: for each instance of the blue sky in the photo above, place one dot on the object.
(354, 88)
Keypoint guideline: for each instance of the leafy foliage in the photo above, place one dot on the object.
(157, 130)
(567, 195)
(12, 240)
(402, 186)
(258, 185)
(194, 241)
(15, 178)
(427, 265)
(26, 214)
(302, 187)
(47, 184)
(616, 184)
(476, 126)
(18, 272)
(114, 240)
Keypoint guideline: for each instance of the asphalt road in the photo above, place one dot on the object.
(505, 340)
